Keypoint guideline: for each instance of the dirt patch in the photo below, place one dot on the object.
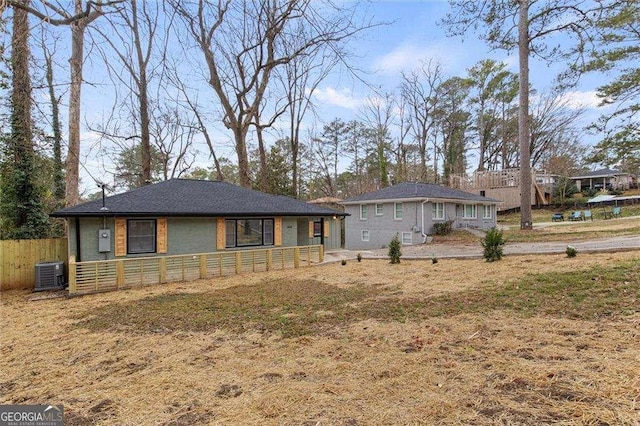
(527, 340)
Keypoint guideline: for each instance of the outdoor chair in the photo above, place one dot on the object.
(557, 216)
(588, 215)
(577, 215)
(617, 211)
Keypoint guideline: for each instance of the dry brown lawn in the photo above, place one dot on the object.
(526, 340)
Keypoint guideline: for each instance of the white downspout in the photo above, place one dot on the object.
(424, 236)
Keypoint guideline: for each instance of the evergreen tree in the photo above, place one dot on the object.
(620, 36)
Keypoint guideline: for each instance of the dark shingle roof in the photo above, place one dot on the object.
(600, 173)
(409, 190)
(186, 197)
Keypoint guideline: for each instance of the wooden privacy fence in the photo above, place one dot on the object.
(106, 275)
(18, 259)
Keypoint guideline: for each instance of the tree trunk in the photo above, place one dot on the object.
(21, 82)
(143, 98)
(482, 139)
(244, 176)
(295, 153)
(58, 172)
(72, 196)
(263, 170)
(523, 117)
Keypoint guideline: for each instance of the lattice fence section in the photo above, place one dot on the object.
(108, 275)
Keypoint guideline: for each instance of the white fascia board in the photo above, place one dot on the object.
(381, 201)
(418, 200)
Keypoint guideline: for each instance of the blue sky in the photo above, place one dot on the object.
(413, 34)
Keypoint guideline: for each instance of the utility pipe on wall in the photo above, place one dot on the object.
(424, 235)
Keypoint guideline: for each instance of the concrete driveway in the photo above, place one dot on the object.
(474, 250)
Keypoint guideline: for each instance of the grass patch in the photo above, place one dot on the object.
(544, 214)
(289, 307)
(586, 294)
(295, 308)
(514, 235)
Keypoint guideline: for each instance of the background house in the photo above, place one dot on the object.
(504, 185)
(410, 210)
(603, 179)
(182, 216)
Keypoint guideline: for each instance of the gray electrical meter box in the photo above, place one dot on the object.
(104, 240)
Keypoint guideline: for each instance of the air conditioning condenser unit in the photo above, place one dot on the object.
(49, 276)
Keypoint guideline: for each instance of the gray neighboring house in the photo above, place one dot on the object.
(184, 216)
(604, 179)
(410, 210)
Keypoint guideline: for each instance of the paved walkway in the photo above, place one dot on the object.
(474, 250)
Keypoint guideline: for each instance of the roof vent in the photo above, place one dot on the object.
(49, 276)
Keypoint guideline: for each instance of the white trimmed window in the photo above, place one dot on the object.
(487, 212)
(470, 211)
(379, 209)
(397, 211)
(363, 212)
(407, 238)
(365, 235)
(437, 211)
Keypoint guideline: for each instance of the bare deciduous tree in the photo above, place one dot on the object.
(132, 37)
(378, 113)
(420, 93)
(81, 17)
(243, 42)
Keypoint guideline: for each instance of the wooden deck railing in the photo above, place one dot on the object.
(107, 275)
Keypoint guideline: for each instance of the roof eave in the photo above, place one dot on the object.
(422, 199)
(190, 214)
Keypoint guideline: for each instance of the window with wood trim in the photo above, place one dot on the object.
(249, 232)
(317, 228)
(141, 236)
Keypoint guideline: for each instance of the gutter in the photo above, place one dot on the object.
(424, 235)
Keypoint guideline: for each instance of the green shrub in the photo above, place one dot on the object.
(395, 250)
(571, 251)
(564, 188)
(434, 259)
(590, 192)
(359, 257)
(492, 244)
(344, 262)
(443, 228)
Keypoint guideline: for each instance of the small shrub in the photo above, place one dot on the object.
(443, 228)
(434, 259)
(395, 250)
(344, 262)
(359, 257)
(590, 192)
(571, 251)
(492, 244)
